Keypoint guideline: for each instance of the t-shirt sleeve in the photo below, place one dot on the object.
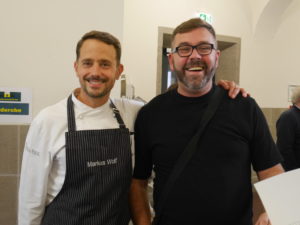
(263, 149)
(36, 165)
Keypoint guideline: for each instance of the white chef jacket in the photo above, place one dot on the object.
(44, 161)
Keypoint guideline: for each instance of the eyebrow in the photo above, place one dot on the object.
(187, 43)
(100, 60)
(86, 59)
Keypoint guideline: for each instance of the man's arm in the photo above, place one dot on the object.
(139, 203)
(264, 174)
(33, 178)
(263, 219)
(232, 88)
(270, 172)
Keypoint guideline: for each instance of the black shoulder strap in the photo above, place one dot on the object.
(189, 150)
(71, 115)
(117, 115)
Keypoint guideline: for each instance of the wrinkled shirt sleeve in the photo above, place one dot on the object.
(34, 175)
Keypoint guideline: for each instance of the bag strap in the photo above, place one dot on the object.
(189, 150)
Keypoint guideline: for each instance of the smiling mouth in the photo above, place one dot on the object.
(197, 68)
(95, 80)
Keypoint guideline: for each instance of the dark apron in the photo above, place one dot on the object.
(98, 175)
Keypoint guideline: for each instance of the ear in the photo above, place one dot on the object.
(120, 69)
(218, 53)
(76, 67)
(170, 59)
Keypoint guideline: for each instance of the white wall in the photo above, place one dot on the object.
(267, 66)
(38, 39)
(256, 7)
(271, 62)
(143, 17)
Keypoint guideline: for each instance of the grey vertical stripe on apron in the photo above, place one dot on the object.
(98, 174)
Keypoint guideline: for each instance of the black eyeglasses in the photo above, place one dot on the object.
(187, 50)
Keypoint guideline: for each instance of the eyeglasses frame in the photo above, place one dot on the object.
(175, 50)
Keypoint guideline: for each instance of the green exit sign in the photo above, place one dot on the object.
(206, 17)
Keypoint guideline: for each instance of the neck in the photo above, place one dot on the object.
(297, 105)
(187, 92)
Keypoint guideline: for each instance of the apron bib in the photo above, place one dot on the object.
(98, 175)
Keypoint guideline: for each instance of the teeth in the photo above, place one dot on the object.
(196, 68)
(94, 81)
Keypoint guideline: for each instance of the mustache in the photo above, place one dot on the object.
(195, 63)
(96, 78)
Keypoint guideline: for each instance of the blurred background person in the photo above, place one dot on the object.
(288, 133)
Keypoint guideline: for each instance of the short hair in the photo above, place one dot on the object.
(192, 24)
(296, 95)
(101, 36)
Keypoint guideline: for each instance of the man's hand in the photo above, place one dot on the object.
(263, 219)
(233, 88)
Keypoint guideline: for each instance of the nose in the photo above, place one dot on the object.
(195, 54)
(96, 69)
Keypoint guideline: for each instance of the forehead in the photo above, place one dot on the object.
(194, 37)
(92, 48)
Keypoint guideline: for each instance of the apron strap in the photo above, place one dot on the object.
(71, 115)
(117, 115)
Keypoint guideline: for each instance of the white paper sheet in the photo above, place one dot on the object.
(281, 197)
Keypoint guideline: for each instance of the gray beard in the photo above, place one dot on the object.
(191, 85)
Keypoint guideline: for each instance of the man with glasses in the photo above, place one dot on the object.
(215, 186)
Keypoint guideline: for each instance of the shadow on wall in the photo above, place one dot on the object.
(267, 23)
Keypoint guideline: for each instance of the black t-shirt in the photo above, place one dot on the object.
(215, 186)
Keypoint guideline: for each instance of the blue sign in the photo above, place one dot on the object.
(10, 96)
(14, 109)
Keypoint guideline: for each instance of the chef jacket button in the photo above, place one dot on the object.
(80, 117)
